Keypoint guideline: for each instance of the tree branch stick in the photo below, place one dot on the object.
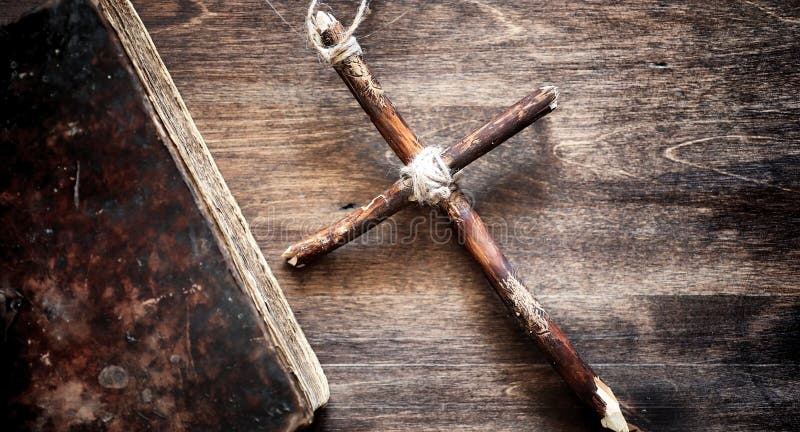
(531, 316)
(501, 127)
(537, 104)
(369, 94)
(526, 309)
(345, 230)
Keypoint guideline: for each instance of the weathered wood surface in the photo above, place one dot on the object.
(656, 212)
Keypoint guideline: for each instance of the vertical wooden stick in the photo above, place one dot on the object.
(531, 316)
(368, 92)
(528, 312)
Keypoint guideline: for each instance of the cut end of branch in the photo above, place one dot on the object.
(554, 89)
(324, 21)
(613, 419)
(290, 257)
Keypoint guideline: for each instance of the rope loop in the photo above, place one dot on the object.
(318, 21)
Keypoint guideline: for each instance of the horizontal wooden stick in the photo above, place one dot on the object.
(350, 227)
(502, 126)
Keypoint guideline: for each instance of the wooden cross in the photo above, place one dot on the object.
(528, 312)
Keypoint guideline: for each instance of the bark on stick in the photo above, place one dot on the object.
(501, 127)
(528, 312)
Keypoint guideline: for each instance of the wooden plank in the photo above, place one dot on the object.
(666, 329)
(655, 212)
(502, 396)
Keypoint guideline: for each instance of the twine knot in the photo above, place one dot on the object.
(431, 180)
(318, 22)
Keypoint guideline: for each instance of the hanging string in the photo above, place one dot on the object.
(318, 21)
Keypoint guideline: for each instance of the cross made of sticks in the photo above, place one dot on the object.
(523, 306)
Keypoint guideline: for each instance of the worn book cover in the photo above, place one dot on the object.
(132, 294)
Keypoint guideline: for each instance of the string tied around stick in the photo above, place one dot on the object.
(318, 21)
(431, 179)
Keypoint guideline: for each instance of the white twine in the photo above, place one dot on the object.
(431, 180)
(318, 21)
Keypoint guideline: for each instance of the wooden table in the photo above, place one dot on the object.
(656, 213)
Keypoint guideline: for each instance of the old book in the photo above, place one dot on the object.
(132, 293)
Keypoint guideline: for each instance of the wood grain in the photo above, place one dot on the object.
(657, 208)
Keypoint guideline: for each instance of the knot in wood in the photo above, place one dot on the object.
(431, 179)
